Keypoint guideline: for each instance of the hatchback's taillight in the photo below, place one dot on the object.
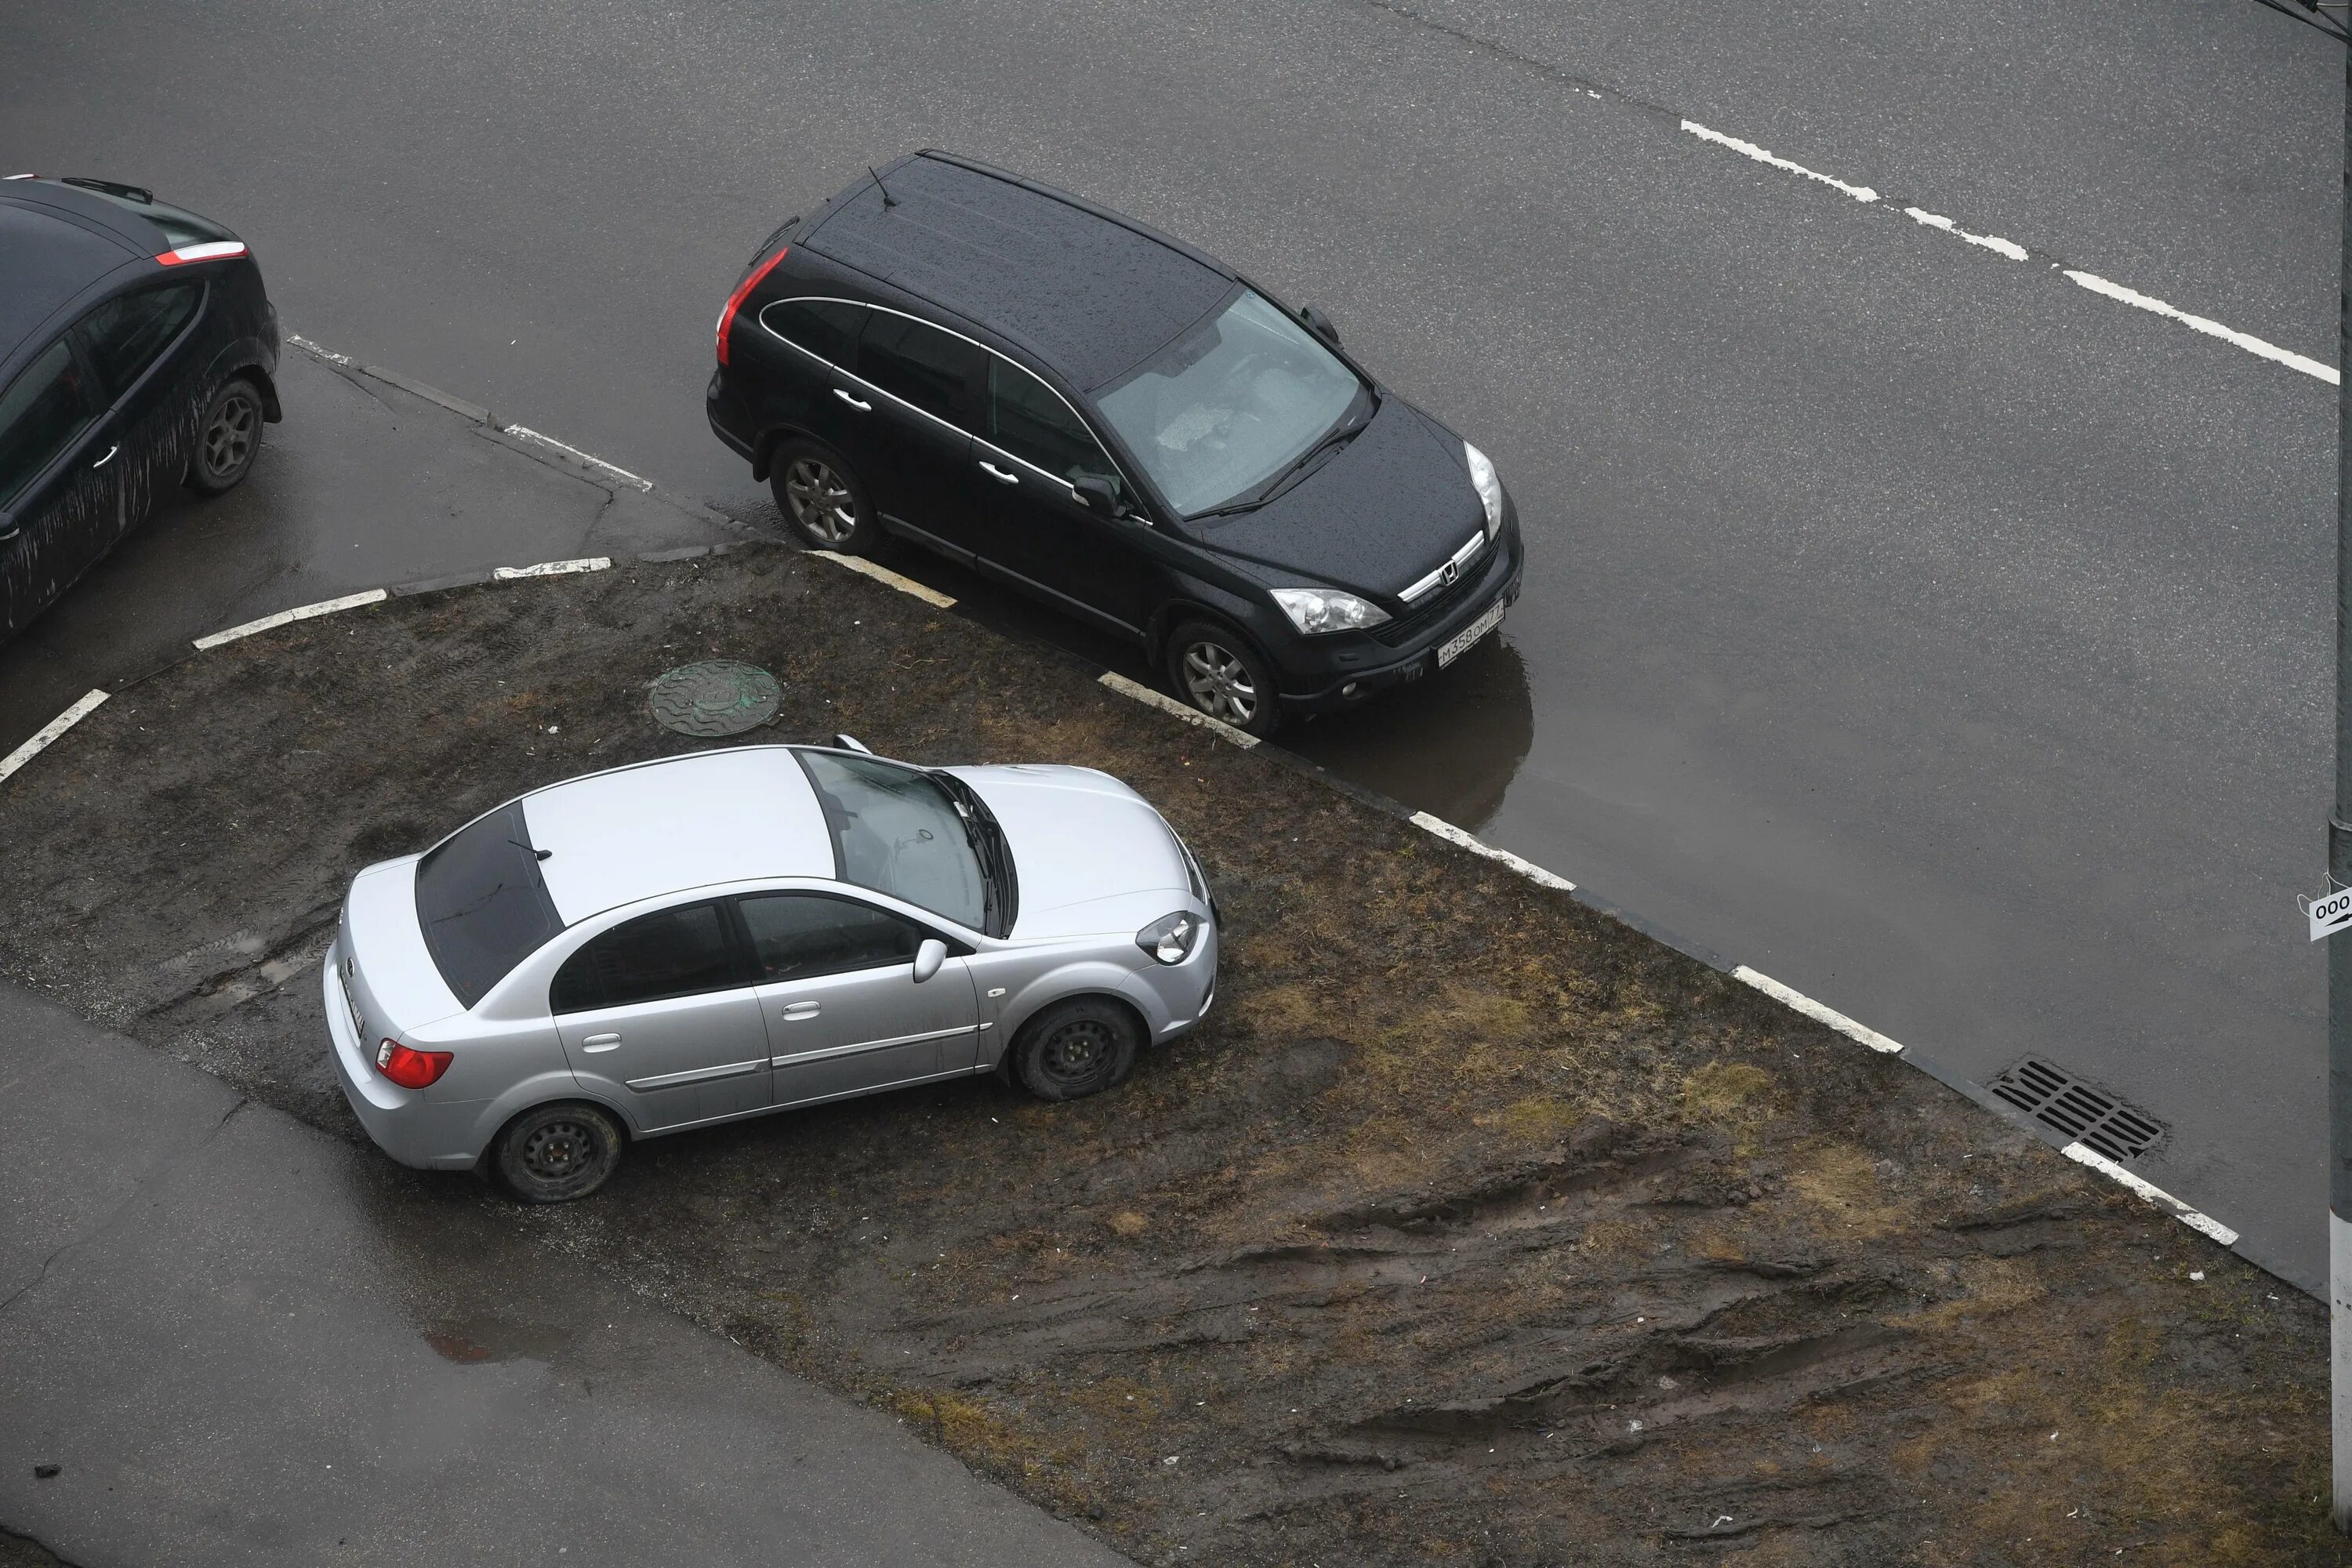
(217, 250)
(743, 292)
(411, 1069)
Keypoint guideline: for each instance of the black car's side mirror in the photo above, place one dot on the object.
(1096, 496)
(1318, 323)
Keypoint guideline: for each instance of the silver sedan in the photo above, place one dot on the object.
(733, 932)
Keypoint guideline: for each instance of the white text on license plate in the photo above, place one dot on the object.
(1459, 644)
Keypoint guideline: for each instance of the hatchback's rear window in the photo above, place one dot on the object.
(482, 903)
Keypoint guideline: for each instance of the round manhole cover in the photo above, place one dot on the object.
(721, 697)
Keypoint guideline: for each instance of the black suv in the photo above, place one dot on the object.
(137, 351)
(1104, 417)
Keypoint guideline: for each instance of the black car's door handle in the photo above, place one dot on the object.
(108, 459)
(999, 475)
(861, 407)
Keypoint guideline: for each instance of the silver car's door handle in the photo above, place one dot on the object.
(795, 1011)
(999, 475)
(600, 1043)
(108, 459)
(861, 407)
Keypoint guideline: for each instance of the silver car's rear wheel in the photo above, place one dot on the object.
(553, 1153)
(1076, 1047)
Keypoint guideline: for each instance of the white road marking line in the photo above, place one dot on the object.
(1749, 150)
(1991, 242)
(2203, 1222)
(2212, 329)
(524, 432)
(1166, 704)
(284, 617)
(1790, 997)
(1477, 845)
(881, 573)
(50, 731)
(553, 568)
(329, 355)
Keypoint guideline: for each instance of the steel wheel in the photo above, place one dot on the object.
(555, 1150)
(1075, 1048)
(553, 1153)
(1072, 1056)
(821, 500)
(1218, 683)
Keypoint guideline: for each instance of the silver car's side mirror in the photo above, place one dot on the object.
(928, 957)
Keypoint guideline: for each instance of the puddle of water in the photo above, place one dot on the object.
(495, 1339)
(1448, 745)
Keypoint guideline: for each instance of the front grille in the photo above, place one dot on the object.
(2058, 1099)
(1433, 609)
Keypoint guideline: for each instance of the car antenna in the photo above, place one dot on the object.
(888, 200)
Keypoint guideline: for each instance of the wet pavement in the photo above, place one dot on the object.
(1938, 638)
(230, 1339)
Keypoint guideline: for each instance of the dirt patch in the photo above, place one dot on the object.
(1473, 1228)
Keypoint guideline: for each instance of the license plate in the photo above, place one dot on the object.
(1463, 640)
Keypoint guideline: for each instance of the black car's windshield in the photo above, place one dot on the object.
(1230, 405)
(482, 903)
(897, 831)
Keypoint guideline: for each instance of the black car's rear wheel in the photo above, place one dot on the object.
(553, 1153)
(823, 499)
(1076, 1049)
(228, 435)
(1217, 671)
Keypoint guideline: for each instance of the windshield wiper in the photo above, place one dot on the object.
(1339, 434)
(982, 830)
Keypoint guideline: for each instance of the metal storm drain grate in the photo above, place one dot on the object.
(2056, 1099)
(721, 697)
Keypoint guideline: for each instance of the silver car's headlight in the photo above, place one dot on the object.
(1489, 488)
(1171, 937)
(1313, 610)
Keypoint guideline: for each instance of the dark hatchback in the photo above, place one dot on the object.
(1102, 417)
(138, 351)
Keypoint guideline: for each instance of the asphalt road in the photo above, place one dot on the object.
(1937, 636)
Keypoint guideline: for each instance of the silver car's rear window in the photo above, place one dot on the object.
(482, 903)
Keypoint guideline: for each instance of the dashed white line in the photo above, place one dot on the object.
(1991, 242)
(2204, 1224)
(48, 733)
(1790, 997)
(880, 574)
(1749, 150)
(553, 568)
(2212, 329)
(286, 617)
(1477, 845)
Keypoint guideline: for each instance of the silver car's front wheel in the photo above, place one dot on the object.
(1076, 1047)
(1221, 675)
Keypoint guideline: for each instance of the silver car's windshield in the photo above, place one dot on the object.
(895, 830)
(1229, 404)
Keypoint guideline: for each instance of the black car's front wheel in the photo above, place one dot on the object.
(823, 499)
(228, 435)
(1218, 672)
(553, 1153)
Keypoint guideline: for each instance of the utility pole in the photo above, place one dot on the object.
(2340, 875)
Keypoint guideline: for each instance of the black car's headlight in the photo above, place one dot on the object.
(1489, 485)
(1313, 610)
(1171, 939)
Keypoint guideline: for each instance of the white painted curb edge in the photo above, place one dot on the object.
(1166, 704)
(1791, 998)
(883, 574)
(2152, 1193)
(286, 617)
(49, 731)
(1452, 834)
(552, 568)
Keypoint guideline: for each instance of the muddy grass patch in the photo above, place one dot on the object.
(1473, 1228)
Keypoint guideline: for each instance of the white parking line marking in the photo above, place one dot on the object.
(553, 568)
(1477, 845)
(1749, 150)
(2212, 329)
(50, 731)
(1991, 242)
(1166, 704)
(880, 574)
(2203, 1222)
(284, 617)
(524, 432)
(1797, 1000)
(329, 355)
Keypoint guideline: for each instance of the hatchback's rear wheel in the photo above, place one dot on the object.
(1218, 672)
(1076, 1049)
(553, 1153)
(821, 497)
(228, 435)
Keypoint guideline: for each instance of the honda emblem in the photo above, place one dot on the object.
(1450, 575)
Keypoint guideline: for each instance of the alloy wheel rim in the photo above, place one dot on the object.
(559, 1149)
(228, 439)
(1219, 683)
(821, 502)
(1076, 1052)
